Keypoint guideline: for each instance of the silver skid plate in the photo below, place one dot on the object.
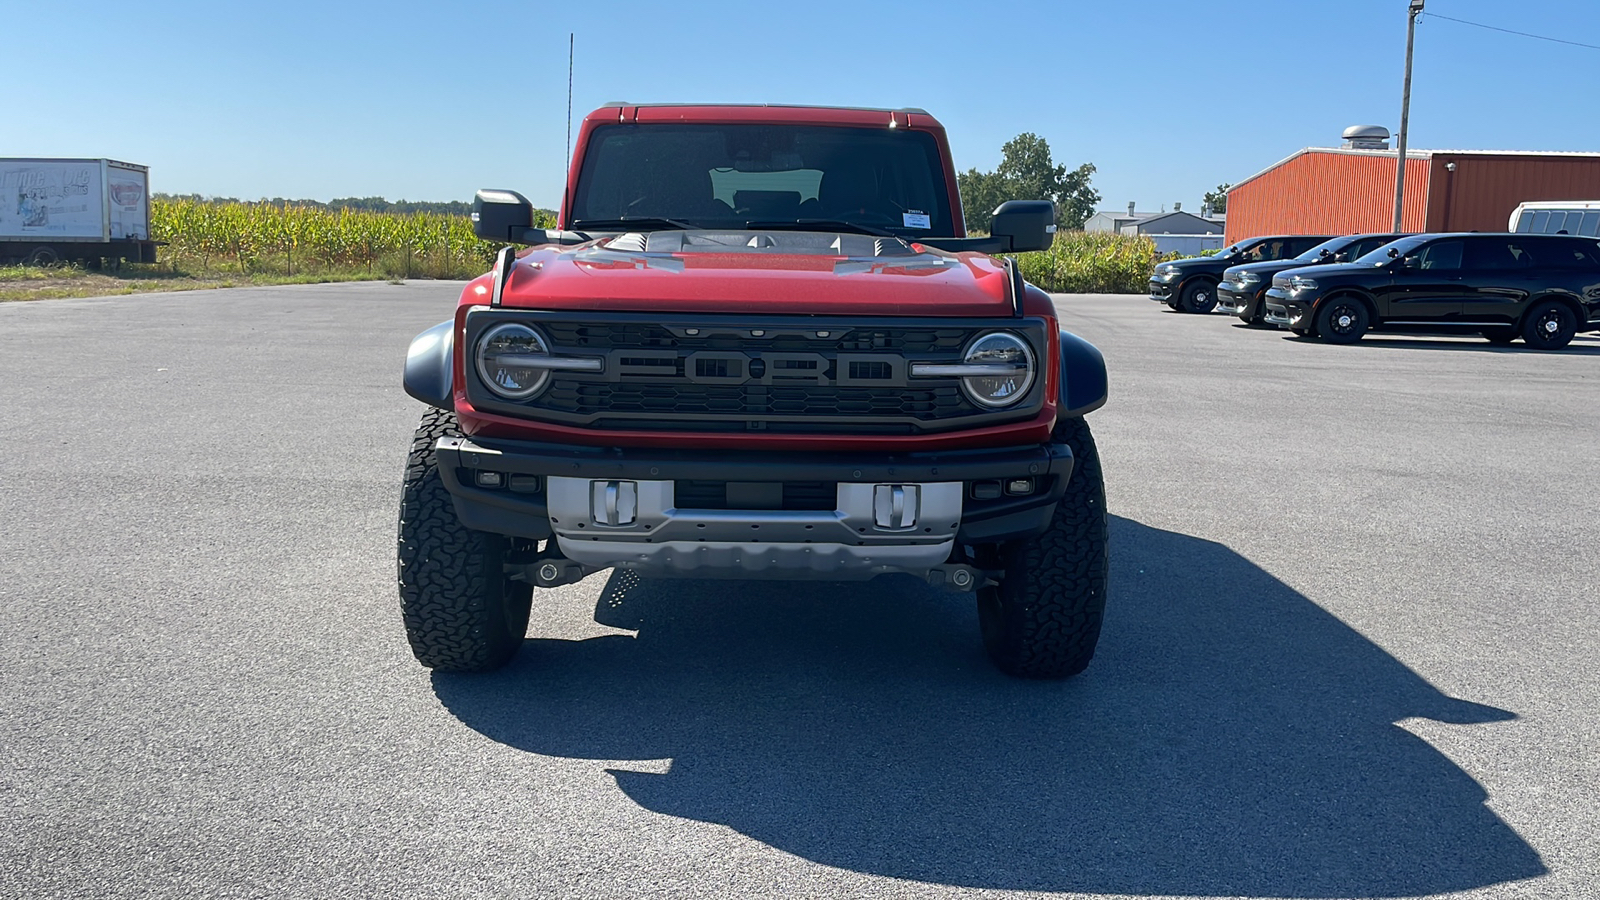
(873, 529)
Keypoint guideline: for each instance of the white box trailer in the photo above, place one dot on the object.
(77, 209)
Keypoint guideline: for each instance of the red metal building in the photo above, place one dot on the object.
(1343, 191)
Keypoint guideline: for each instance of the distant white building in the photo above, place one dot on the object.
(1172, 232)
(1176, 230)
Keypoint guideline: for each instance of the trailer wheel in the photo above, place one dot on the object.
(43, 256)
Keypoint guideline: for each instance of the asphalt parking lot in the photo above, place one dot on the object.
(1351, 647)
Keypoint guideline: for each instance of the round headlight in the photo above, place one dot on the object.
(504, 354)
(1013, 363)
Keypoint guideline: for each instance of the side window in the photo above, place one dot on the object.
(1498, 254)
(1525, 222)
(1559, 254)
(1445, 255)
(1367, 246)
(1590, 225)
(1275, 250)
(1541, 217)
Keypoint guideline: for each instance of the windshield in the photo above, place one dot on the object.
(728, 175)
(1332, 245)
(1381, 255)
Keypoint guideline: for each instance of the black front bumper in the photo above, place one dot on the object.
(1240, 300)
(1163, 291)
(1287, 310)
(524, 514)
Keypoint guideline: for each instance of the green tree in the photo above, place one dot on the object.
(1028, 172)
(1218, 199)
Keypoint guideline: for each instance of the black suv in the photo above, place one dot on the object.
(1243, 288)
(1190, 285)
(1543, 288)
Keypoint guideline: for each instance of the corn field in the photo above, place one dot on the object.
(290, 240)
(1092, 263)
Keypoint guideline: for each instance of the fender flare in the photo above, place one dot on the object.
(428, 366)
(1366, 299)
(1084, 386)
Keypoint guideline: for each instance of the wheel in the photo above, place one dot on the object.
(42, 256)
(1200, 297)
(1043, 619)
(1172, 303)
(1500, 337)
(460, 611)
(1343, 320)
(1549, 326)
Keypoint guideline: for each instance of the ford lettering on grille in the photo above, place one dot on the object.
(818, 377)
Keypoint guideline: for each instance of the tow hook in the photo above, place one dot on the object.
(548, 572)
(961, 577)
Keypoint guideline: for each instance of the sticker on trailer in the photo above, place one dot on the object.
(50, 200)
(127, 205)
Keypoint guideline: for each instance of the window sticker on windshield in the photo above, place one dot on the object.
(916, 218)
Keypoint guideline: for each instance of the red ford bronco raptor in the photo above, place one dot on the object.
(758, 344)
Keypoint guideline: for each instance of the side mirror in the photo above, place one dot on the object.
(1325, 254)
(502, 216)
(1341, 257)
(1025, 224)
(1394, 253)
(1410, 262)
(506, 217)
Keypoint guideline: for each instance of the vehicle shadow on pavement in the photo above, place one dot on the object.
(1231, 737)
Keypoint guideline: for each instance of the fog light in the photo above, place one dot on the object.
(985, 490)
(525, 484)
(489, 479)
(1019, 486)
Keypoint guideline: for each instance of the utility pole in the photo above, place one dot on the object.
(1405, 117)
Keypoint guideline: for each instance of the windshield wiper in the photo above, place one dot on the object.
(647, 222)
(825, 224)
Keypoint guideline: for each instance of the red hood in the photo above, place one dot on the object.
(794, 272)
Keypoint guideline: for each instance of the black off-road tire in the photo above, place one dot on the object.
(1199, 297)
(1549, 326)
(1043, 619)
(461, 613)
(1342, 320)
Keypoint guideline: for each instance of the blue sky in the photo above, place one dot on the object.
(429, 101)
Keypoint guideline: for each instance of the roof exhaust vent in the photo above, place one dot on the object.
(1366, 137)
(1130, 207)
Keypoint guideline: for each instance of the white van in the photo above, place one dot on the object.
(1557, 216)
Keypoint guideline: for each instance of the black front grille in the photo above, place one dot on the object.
(793, 374)
(570, 395)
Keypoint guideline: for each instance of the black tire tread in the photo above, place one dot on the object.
(1044, 618)
(460, 613)
(1187, 303)
(1533, 338)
